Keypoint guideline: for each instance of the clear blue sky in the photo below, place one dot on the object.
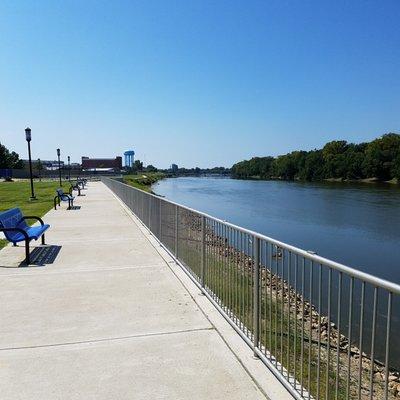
(199, 83)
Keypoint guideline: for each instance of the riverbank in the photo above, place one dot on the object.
(393, 181)
(144, 181)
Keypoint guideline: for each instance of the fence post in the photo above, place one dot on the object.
(160, 219)
(256, 293)
(203, 250)
(149, 208)
(176, 231)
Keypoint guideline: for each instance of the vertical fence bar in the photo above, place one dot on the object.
(319, 329)
(149, 216)
(371, 386)
(282, 280)
(160, 219)
(350, 322)
(328, 346)
(387, 344)
(289, 307)
(295, 319)
(302, 328)
(310, 328)
(256, 289)
(203, 250)
(338, 335)
(361, 339)
(176, 231)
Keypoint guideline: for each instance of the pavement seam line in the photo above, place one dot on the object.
(95, 269)
(113, 339)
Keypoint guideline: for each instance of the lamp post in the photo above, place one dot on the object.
(59, 165)
(69, 168)
(28, 138)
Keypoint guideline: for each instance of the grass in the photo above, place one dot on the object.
(17, 194)
(144, 180)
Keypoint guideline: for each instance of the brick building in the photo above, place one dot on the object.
(102, 163)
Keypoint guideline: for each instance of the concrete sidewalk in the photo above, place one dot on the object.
(112, 317)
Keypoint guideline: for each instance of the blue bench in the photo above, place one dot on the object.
(16, 230)
(61, 196)
(81, 182)
(73, 187)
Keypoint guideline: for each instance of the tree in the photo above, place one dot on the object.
(9, 160)
(138, 165)
(381, 157)
(334, 160)
(151, 168)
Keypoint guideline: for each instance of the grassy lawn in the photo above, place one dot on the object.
(17, 194)
(143, 180)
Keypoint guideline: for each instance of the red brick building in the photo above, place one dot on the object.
(102, 163)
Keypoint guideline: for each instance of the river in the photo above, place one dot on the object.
(355, 224)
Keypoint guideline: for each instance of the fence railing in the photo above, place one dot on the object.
(325, 330)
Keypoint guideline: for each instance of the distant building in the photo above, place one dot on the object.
(48, 165)
(102, 163)
(174, 168)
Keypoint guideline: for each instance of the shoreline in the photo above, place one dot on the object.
(393, 181)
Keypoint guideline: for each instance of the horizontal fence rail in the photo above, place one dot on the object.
(325, 330)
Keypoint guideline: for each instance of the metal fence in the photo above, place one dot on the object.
(325, 330)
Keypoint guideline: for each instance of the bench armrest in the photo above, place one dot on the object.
(15, 230)
(31, 217)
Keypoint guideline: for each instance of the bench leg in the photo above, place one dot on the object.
(27, 255)
(43, 239)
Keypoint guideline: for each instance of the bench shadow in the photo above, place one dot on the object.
(43, 255)
(74, 208)
(40, 257)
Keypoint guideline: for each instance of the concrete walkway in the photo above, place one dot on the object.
(113, 317)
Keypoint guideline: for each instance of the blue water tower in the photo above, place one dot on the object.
(129, 158)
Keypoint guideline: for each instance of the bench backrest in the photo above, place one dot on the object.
(12, 219)
(61, 194)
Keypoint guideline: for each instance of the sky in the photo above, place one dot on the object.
(197, 83)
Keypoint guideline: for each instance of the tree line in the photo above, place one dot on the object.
(338, 159)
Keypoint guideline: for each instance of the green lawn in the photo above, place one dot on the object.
(17, 194)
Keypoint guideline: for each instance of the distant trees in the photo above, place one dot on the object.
(201, 171)
(9, 159)
(138, 165)
(151, 168)
(382, 157)
(337, 159)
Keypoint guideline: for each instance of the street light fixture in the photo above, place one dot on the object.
(59, 165)
(28, 137)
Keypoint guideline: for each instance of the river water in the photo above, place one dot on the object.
(355, 224)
